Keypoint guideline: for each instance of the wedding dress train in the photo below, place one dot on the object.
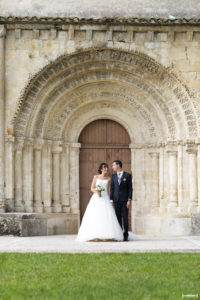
(100, 221)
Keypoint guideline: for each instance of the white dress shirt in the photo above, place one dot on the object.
(119, 175)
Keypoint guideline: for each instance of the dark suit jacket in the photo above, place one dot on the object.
(121, 192)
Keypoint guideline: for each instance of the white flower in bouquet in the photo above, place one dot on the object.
(99, 189)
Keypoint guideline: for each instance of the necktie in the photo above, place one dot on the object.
(119, 177)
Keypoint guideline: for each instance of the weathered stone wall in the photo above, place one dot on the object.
(28, 50)
(58, 78)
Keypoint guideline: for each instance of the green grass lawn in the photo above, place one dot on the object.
(99, 276)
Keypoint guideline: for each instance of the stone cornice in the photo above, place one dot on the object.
(111, 21)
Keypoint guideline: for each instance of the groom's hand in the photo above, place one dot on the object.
(128, 205)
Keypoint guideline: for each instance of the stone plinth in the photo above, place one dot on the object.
(169, 225)
(32, 224)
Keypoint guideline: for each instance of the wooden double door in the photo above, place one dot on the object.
(101, 141)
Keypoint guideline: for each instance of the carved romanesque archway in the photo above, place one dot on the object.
(153, 105)
(132, 78)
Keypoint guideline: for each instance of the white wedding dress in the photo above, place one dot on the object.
(100, 220)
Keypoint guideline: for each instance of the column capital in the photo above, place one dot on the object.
(75, 145)
(56, 149)
(154, 154)
(66, 145)
(19, 143)
(191, 148)
(38, 144)
(180, 142)
(172, 148)
(172, 152)
(147, 145)
(161, 145)
(55, 145)
(197, 141)
(135, 146)
(29, 142)
(9, 139)
(47, 142)
(190, 141)
(2, 31)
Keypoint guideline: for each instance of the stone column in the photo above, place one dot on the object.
(173, 181)
(56, 179)
(18, 202)
(180, 175)
(74, 177)
(198, 176)
(2, 117)
(47, 177)
(9, 174)
(192, 176)
(65, 188)
(28, 175)
(155, 181)
(134, 203)
(133, 170)
(38, 206)
(161, 173)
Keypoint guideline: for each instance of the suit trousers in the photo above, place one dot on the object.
(121, 211)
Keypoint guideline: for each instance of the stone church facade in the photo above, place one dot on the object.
(57, 75)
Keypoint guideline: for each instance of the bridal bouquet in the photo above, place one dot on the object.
(99, 189)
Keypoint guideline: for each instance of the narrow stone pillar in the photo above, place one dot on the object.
(2, 117)
(180, 175)
(74, 177)
(198, 177)
(155, 180)
(65, 188)
(133, 169)
(192, 176)
(134, 203)
(161, 173)
(173, 181)
(57, 207)
(38, 206)
(47, 177)
(28, 175)
(9, 174)
(18, 201)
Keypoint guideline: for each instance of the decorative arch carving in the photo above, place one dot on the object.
(156, 95)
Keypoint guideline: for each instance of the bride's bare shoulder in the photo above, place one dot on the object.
(95, 177)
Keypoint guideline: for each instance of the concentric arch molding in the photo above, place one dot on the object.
(67, 73)
(106, 94)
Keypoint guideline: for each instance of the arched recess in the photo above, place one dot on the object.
(147, 99)
(102, 140)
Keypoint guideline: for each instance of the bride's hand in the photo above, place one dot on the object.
(97, 192)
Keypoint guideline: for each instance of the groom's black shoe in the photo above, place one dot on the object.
(125, 238)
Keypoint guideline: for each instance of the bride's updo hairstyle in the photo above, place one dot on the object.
(101, 167)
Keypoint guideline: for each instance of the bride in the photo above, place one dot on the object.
(99, 222)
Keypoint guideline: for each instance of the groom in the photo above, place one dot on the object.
(121, 194)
